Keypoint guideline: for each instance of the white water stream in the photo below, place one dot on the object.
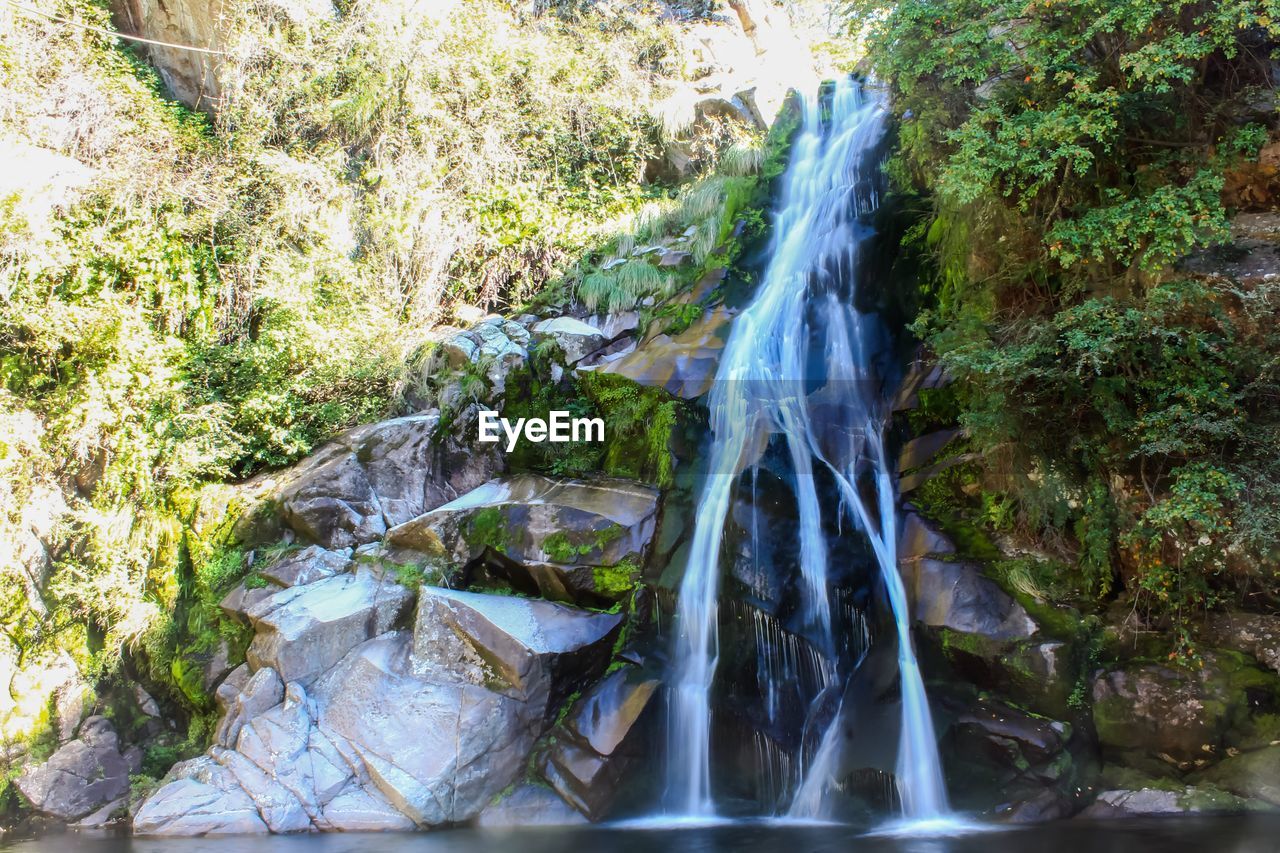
(765, 386)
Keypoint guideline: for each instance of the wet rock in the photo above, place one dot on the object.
(200, 797)
(917, 538)
(531, 519)
(607, 713)
(532, 650)
(1154, 802)
(305, 630)
(574, 338)
(919, 451)
(588, 757)
(1045, 805)
(684, 365)
(311, 564)
(438, 752)
(82, 776)
(530, 805)
(958, 597)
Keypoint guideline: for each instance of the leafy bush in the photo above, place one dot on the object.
(1123, 415)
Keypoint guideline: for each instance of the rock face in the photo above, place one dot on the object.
(190, 75)
(1254, 774)
(341, 722)
(957, 596)
(574, 338)
(590, 751)
(565, 540)
(378, 476)
(523, 648)
(303, 631)
(1182, 717)
(684, 365)
(530, 805)
(85, 775)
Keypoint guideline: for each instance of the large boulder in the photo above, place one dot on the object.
(1162, 802)
(437, 750)
(200, 797)
(530, 805)
(573, 338)
(535, 651)
(306, 565)
(1254, 774)
(531, 519)
(1256, 634)
(593, 747)
(958, 597)
(1185, 717)
(684, 365)
(82, 776)
(377, 476)
(305, 630)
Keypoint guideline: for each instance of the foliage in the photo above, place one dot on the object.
(1073, 152)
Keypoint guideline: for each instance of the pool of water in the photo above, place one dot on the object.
(1170, 835)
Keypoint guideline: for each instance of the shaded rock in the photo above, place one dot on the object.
(608, 712)
(438, 752)
(917, 538)
(334, 504)
(1182, 717)
(1152, 802)
(957, 596)
(684, 365)
(574, 338)
(532, 519)
(203, 798)
(920, 450)
(82, 776)
(1254, 634)
(242, 697)
(587, 758)
(305, 630)
(530, 805)
(615, 324)
(524, 648)
(1254, 774)
(1147, 801)
(311, 564)
(1046, 805)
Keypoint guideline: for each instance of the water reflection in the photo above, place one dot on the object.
(1259, 834)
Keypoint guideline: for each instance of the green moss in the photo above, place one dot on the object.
(563, 547)
(487, 528)
(615, 581)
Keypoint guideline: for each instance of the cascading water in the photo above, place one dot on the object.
(798, 365)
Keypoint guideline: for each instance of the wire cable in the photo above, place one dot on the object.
(112, 34)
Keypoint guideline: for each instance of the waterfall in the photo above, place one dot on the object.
(798, 366)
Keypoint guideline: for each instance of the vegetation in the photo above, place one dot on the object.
(212, 295)
(1123, 412)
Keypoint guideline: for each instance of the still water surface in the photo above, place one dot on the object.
(1170, 835)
